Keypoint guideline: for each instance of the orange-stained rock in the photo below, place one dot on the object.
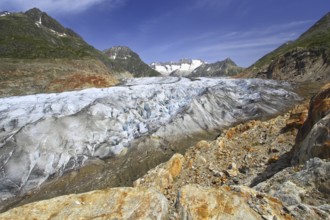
(239, 202)
(313, 139)
(162, 176)
(115, 203)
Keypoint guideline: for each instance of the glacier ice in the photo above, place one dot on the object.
(46, 134)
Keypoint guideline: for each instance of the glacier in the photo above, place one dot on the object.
(46, 134)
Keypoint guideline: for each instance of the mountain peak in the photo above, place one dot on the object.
(228, 60)
(43, 19)
(225, 68)
(125, 60)
(34, 10)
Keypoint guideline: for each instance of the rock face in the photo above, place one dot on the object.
(313, 139)
(196, 202)
(126, 63)
(115, 203)
(305, 59)
(47, 135)
(223, 68)
(298, 65)
(183, 67)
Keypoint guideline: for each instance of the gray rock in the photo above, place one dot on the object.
(305, 192)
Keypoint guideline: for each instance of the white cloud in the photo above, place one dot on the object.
(245, 47)
(56, 6)
(211, 3)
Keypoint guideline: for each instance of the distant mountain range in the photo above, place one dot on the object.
(39, 55)
(197, 68)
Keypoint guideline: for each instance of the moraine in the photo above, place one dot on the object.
(47, 135)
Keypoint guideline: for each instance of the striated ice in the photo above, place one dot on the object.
(46, 134)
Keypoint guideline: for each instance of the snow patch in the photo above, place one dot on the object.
(4, 13)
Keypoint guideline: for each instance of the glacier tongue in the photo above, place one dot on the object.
(46, 134)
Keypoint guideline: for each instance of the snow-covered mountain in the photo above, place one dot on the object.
(47, 135)
(181, 68)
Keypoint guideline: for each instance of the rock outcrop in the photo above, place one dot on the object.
(115, 203)
(198, 203)
(304, 190)
(299, 65)
(313, 139)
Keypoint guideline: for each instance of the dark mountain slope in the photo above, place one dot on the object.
(126, 62)
(304, 59)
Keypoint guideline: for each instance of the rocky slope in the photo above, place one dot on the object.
(223, 68)
(26, 76)
(213, 179)
(305, 59)
(183, 67)
(262, 155)
(126, 63)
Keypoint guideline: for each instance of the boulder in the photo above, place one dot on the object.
(304, 189)
(114, 203)
(197, 202)
(313, 139)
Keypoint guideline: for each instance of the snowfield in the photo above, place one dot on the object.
(46, 134)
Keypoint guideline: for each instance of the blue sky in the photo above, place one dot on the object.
(168, 30)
